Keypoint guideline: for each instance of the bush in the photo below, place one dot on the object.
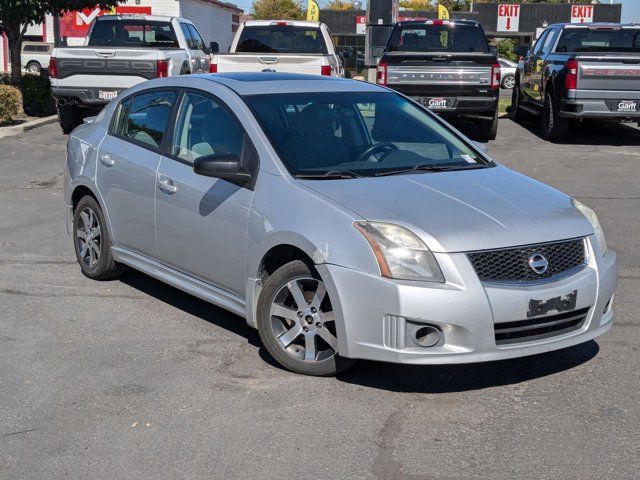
(10, 103)
(36, 94)
(506, 48)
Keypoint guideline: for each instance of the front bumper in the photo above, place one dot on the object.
(375, 311)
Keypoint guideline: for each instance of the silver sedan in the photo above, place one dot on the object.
(339, 218)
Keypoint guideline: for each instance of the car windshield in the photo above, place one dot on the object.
(437, 38)
(281, 39)
(599, 40)
(132, 33)
(349, 134)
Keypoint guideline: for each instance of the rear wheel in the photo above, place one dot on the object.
(92, 241)
(489, 128)
(34, 68)
(69, 117)
(296, 321)
(509, 81)
(554, 127)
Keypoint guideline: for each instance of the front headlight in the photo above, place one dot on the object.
(400, 253)
(593, 220)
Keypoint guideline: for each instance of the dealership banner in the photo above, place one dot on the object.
(76, 24)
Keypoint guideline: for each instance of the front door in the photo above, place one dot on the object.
(201, 222)
(532, 68)
(128, 159)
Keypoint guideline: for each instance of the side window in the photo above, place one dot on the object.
(537, 48)
(145, 117)
(549, 41)
(197, 39)
(204, 127)
(187, 35)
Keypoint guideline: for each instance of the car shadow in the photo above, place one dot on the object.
(461, 378)
(383, 376)
(590, 132)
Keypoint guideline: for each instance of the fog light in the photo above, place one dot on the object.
(427, 336)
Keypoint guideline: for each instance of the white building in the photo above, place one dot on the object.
(216, 20)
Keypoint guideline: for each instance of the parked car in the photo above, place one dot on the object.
(119, 52)
(579, 71)
(341, 219)
(35, 56)
(282, 46)
(448, 66)
(507, 72)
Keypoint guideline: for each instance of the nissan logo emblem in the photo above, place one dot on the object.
(538, 263)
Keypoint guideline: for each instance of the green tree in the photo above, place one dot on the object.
(340, 5)
(17, 15)
(506, 48)
(277, 10)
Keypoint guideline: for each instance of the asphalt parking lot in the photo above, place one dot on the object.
(134, 379)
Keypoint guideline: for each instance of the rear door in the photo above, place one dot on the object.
(129, 157)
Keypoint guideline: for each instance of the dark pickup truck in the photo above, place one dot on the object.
(579, 71)
(447, 66)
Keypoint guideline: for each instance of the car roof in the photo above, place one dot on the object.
(252, 83)
(141, 16)
(293, 23)
(595, 24)
(461, 21)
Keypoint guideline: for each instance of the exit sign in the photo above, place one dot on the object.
(581, 13)
(508, 17)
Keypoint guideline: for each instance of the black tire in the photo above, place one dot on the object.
(69, 117)
(294, 272)
(105, 268)
(34, 68)
(554, 127)
(508, 80)
(515, 112)
(489, 128)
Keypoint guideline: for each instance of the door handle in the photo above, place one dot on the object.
(107, 160)
(166, 185)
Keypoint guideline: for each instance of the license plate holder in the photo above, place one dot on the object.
(562, 303)
(436, 103)
(627, 106)
(107, 94)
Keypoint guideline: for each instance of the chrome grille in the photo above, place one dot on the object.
(512, 264)
(539, 328)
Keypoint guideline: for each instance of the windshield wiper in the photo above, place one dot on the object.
(428, 167)
(332, 174)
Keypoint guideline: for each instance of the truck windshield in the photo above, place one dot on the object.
(132, 33)
(331, 135)
(281, 39)
(599, 40)
(437, 38)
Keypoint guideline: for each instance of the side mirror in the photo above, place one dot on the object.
(222, 165)
(521, 51)
(214, 47)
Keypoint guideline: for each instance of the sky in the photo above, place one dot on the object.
(630, 8)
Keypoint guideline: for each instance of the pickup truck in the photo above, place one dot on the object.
(119, 52)
(282, 46)
(447, 66)
(579, 71)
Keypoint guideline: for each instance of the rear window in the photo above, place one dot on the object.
(281, 39)
(585, 40)
(132, 33)
(437, 38)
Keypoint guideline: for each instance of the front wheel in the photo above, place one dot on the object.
(489, 128)
(554, 127)
(296, 321)
(509, 81)
(515, 112)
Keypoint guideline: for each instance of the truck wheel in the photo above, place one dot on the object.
(69, 117)
(554, 127)
(296, 321)
(489, 128)
(515, 112)
(34, 68)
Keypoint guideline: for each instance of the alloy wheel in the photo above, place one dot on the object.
(88, 236)
(509, 81)
(303, 321)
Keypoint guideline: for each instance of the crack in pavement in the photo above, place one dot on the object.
(25, 293)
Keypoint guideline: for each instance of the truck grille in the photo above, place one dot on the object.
(512, 264)
(539, 328)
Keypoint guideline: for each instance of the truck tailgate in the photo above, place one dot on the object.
(293, 63)
(439, 73)
(609, 72)
(122, 62)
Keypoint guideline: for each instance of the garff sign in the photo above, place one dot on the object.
(508, 17)
(581, 13)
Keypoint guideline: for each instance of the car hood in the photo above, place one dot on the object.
(462, 211)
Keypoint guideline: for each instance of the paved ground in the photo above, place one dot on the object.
(133, 379)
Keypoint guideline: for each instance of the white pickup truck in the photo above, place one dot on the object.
(119, 52)
(282, 46)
